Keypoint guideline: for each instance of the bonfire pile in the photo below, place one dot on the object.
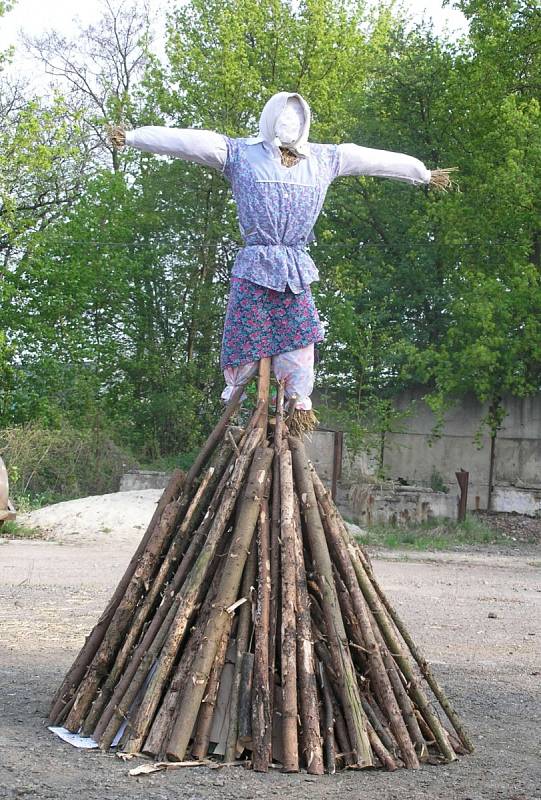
(249, 624)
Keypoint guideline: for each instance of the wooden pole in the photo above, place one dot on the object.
(189, 595)
(242, 641)
(328, 727)
(306, 667)
(379, 678)
(349, 690)
(261, 704)
(245, 701)
(462, 478)
(76, 672)
(215, 436)
(389, 621)
(387, 630)
(226, 596)
(290, 755)
(263, 389)
(156, 633)
(275, 602)
(121, 619)
(145, 608)
(208, 703)
(164, 719)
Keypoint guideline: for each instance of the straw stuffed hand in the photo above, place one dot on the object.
(442, 179)
(116, 136)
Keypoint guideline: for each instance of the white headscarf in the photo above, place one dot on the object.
(269, 117)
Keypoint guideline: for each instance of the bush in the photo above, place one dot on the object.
(46, 466)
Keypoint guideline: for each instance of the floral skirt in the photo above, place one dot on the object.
(262, 322)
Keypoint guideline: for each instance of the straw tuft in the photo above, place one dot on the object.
(442, 180)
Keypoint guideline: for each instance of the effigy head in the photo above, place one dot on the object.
(285, 121)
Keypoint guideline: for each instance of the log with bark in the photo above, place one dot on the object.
(249, 624)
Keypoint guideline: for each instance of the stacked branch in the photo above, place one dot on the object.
(249, 624)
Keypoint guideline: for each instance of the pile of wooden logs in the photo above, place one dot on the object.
(249, 624)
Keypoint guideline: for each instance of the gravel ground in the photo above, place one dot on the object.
(51, 594)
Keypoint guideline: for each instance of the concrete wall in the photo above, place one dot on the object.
(412, 455)
(415, 456)
(139, 479)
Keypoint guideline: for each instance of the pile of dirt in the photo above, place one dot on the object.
(514, 527)
(123, 516)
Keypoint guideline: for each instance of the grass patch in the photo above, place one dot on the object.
(169, 463)
(434, 534)
(14, 530)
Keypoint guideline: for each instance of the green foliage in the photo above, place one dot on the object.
(437, 482)
(434, 534)
(46, 465)
(115, 279)
(14, 530)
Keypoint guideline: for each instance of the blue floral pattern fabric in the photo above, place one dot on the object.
(262, 322)
(278, 207)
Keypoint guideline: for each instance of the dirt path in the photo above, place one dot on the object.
(51, 594)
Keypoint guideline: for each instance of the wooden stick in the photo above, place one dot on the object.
(245, 700)
(349, 690)
(121, 619)
(328, 728)
(380, 750)
(242, 639)
(208, 703)
(226, 596)
(348, 755)
(261, 706)
(158, 736)
(402, 697)
(290, 755)
(133, 679)
(378, 675)
(76, 672)
(164, 719)
(379, 723)
(425, 669)
(189, 594)
(378, 605)
(145, 608)
(306, 668)
(158, 629)
(214, 437)
(399, 656)
(274, 618)
(263, 388)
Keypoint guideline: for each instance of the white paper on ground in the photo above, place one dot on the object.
(86, 742)
(83, 742)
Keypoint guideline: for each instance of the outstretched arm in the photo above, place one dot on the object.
(203, 147)
(356, 160)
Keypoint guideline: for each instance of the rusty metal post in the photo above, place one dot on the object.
(463, 478)
(338, 445)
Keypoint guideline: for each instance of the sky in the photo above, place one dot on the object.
(35, 16)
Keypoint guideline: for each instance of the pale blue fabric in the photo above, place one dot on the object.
(278, 207)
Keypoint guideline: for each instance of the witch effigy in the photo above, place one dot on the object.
(279, 181)
(249, 626)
